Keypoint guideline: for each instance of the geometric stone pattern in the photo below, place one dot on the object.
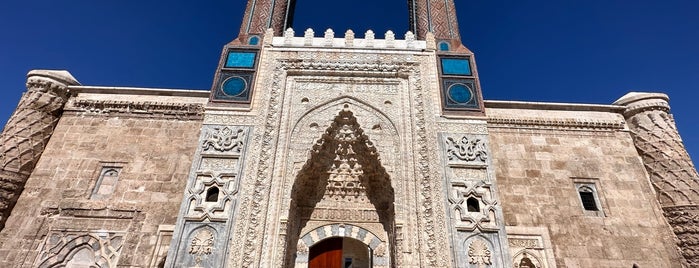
(28, 130)
(478, 234)
(211, 198)
(378, 246)
(61, 247)
(671, 171)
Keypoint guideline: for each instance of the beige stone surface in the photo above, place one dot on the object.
(154, 156)
(537, 167)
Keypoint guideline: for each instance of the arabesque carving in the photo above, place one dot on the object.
(466, 149)
(202, 245)
(224, 139)
(479, 253)
(148, 109)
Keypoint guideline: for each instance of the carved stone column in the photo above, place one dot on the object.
(27, 132)
(671, 171)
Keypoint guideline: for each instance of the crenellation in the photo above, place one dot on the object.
(349, 41)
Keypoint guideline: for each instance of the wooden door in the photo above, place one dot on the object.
(326, 254)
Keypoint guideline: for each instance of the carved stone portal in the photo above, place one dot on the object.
(344, 182)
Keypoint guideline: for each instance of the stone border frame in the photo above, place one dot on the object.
(378, 247)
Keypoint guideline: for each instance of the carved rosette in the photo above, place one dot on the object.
(28, 130)
(671, 171)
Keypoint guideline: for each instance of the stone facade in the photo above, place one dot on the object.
(381, 148)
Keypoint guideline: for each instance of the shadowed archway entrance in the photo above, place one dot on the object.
(342, 184)
(339, 252)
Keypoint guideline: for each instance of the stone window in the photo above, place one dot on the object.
(107, 181)
(212, 194)
(473, 205)
(589, 198)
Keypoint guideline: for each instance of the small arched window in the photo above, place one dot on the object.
(587, 196)
(473, 205)
(212, 194)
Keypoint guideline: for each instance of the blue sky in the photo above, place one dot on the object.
(544, 50)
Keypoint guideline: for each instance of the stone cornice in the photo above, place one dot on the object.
(144, 109)
(140, 91)
(554, 106)
(555, 123)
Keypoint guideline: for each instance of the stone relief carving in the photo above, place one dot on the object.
(211, 198)
(200, 209)
(182, 111)
(301, 247)
(528, 250)
(61, 246)
(466, 149)
(485, 218)
(550, 123)
(27, 132)
(380, 250)
(479, 253)
(253, 208)
(224, 139)
(523, 243)
(669, 166)
(202, 244)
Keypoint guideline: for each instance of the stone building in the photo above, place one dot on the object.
(341, 151)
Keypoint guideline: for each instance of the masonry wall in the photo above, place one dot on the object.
(60, 211)
(538, 167)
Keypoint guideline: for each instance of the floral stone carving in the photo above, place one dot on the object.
(202, 245)
(479, 254)
(466, 149)
(224, 139)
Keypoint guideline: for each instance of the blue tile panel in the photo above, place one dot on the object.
(456, 67)
(241, 60)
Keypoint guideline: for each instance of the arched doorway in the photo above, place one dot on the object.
(342, 190)
(339, 252)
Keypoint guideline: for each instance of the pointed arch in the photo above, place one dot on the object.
(343, 169)
(338, 102)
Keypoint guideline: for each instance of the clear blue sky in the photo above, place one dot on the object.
(547, 50)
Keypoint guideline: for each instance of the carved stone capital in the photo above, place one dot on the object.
(637, 102)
